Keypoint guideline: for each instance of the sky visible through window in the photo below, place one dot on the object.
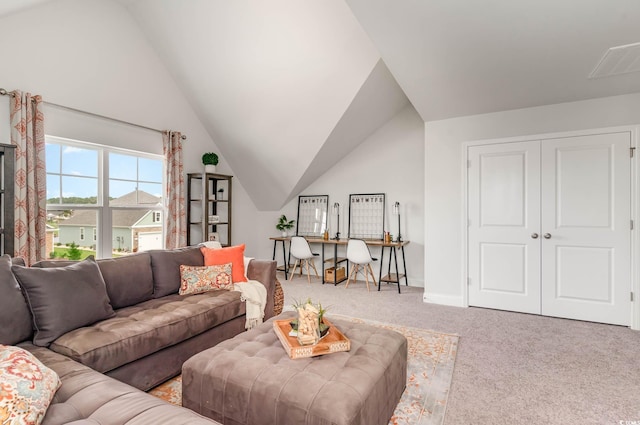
(76, 170)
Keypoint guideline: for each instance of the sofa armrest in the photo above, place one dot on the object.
(264, 271)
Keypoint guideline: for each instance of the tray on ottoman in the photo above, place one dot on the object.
(333, 342)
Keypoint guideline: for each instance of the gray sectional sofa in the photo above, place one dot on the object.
(145, 333)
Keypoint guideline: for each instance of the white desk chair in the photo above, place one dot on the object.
(358, 253)
(302, 252)
(211, 244)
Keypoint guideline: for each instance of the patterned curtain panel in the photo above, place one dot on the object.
(176, 217)
(27, 133)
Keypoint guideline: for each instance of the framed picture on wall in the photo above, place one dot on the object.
(312, 215)
(366, 215)
(214, 237)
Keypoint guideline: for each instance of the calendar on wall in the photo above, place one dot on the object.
(312, 215)
(366, 216)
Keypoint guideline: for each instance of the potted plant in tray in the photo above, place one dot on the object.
(284, 225)
(210, 160)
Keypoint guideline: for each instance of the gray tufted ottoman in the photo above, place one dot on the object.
(250, 379)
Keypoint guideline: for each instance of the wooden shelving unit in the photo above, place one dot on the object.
(205, 205)
(7, 191)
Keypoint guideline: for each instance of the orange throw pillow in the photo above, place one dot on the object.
(220, 256)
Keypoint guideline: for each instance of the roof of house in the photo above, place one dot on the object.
(121, 218)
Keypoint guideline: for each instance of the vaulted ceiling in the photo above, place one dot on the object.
(462, 57)
(286, 88)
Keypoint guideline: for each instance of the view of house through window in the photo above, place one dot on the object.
(101, 200)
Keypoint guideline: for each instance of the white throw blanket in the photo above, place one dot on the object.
(255, 296)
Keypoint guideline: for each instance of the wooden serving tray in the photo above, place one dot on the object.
(333, 342)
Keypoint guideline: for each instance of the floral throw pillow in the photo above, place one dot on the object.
(196, 279)
(26, 387)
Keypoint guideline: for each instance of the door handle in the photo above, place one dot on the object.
(534, 236)
(547, 235)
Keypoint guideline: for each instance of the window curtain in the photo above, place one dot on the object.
(27, 134)
(175, 212)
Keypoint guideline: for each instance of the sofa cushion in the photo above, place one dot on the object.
(89, 397)
(166, 268)
(47, 264)
(63, 298)
(129, 279)
(196, 279)
(13, 307)
(26, 386)
(143, 329)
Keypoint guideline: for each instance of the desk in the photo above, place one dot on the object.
(393, 257)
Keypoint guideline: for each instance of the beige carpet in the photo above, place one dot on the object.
(511, 368)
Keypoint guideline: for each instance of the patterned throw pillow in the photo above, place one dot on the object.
(26, 387)
(196, 279)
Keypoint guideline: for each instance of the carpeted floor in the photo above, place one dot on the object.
(511, 368)
(431, 358)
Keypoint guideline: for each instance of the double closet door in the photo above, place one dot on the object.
(549, 227)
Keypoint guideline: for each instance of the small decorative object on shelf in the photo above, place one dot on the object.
(214, 219)
(210, 160)
(221, 194)
(284, 225)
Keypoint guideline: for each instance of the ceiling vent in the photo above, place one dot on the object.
(618, 60)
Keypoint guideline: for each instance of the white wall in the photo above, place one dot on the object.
(389, 161)
(92, 56)
(444, 173)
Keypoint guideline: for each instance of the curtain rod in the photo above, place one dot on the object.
(4, 92)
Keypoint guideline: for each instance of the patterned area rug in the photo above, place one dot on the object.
(429, 370)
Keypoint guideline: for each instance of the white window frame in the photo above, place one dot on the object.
(157, 216)
(103, 210)
(82, 233)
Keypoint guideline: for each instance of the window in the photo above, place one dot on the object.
(109, 191)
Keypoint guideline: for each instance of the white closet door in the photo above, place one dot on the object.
(504, 226)
(586, 226)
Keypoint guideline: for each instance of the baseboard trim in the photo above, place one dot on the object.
(442, 299)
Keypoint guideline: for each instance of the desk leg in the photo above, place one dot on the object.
(286, 260)
(404, 266)
(389, 268)
(381, 263)
(395, 257)
(335, 265)
(322, 266)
